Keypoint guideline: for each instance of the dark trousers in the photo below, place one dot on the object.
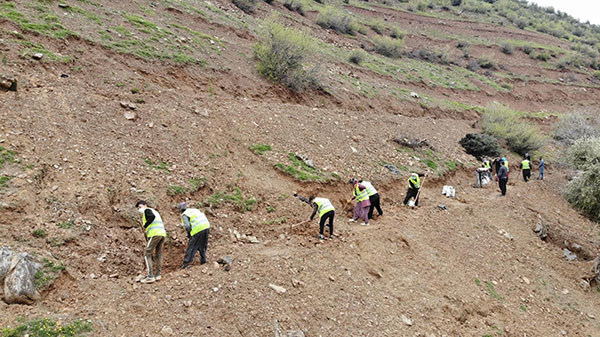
(502, 183)
(329, 215)
(526, 174)
(375, 203)
(411, 193)
(198, 242)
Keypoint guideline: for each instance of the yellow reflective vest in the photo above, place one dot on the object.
(157, 227)
(360, 195)
(324, 206)
(525, 164)
(198, 220)
(416, 182)
(370, 189)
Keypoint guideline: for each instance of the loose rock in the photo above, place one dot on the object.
(37, 56)
(278, 289)
(225, 260)
(8, 83)
(407, 320)
(19, 284)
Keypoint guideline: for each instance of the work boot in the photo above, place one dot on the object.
(185, 266)
(321, 237)
(364, 224)
(351, 220)
(331, 237)
(148, 279)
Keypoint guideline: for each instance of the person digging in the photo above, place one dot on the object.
(414, 184)
(155, 234)
(326, 211)
(197, 227)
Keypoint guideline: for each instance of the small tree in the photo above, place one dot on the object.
(577, 125)
(502, 122)
(583, 192)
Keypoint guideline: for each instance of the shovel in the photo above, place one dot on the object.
(299, 223)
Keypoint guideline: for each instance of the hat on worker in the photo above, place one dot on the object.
(182, 207)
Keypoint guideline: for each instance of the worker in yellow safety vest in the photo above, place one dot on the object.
(155, 234)
(414, 184)
(526, 168)
(197, 227)
(363, 204)
(326, 211)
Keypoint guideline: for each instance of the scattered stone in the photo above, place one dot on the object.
(278, 289)
(8, 83)
(407, 320)
(252, 239)
(227, 268)
(132, 106)
(442, 207)
(591, 316)
(298, 283)
(392, 168)
(331, 278)
(225, 260)
(375, 273)
(62, 5)
(64, 76)
(115, 275)
(216, 264)
(130, 115)
(414, 94)
(201, 112)
(525, 279)
(411, 142)
(569, 255)
(353, 149)
(281, 236)
(166, 331)
(5, 262)
(37, 56)
(565, 291)
(541, 228)
(294, 333)
(187, 303)
(506, 234)
(306, 161)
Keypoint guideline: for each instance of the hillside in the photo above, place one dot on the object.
(162, 100)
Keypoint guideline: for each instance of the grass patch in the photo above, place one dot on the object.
(48, 272)
(39, 233)
(46, 327)
(174, 190)
(158, 166)
(233, 196)
(260, 149)
(299, 170)
(270, 209)
(388, 47)
(357, 56)
(4, 181)
(196, 184)
(66, 224)
(492, 291)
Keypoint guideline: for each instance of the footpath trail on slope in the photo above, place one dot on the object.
(451, 272)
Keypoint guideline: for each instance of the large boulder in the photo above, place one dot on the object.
(19, 283)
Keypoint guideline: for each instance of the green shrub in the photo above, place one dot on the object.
(357, 56)
(520, 136)
(4, 181)
(233, 196)
(396, 33)
(480, 145)
(294, 6)
(584, 153)
(507, 48)
(575, 126)
(487, 63)
(597, 74)
(281, 54)
(331, 18)
(260, 149)
(377, 26)
(248, 6)
(456, 3)
(48, 328)
(39, 233)
(527, 49)
(388, 47)
(435, 56)
(583, 192)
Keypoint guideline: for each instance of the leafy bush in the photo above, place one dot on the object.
(357, 56)
(39, 233)
(583, 192)
(501, 122)
(331, 18)
(480, 145)
(456, 2)
(473, 65)
(377, 26)
(575, 126)
(248, 6)
(435, 56)
(6, 156)
(396, 33)
(294, 6)
(487, 63)
(507, 48)
(527, 49)
(388, 47)
(584, 153)
(234, 196)
(174, 190)
(281, 52)
(597, 74)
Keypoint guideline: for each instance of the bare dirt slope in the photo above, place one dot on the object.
(83, 157)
